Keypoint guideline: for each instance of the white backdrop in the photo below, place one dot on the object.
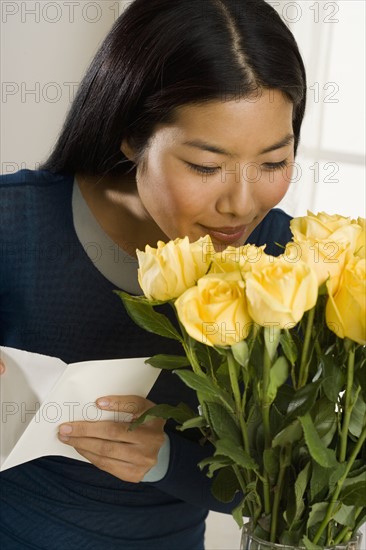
(47, 45)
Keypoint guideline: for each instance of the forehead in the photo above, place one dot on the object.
(235, 125)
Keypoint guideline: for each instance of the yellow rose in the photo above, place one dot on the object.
(325, 242)
(167, 271)
(346, 311)
(326, 258)
(324, 227)
(236, 258)
(360, 250)
(279, 292)
(215, 311)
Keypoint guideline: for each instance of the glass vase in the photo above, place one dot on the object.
(251, 542)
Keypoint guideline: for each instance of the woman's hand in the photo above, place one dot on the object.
(111, 447)
(2, 367)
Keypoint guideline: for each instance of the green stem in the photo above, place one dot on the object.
(232, 367)
(348, 404)
(196, 367)
(340, 482)
(266, 427)
(284, 462)
(238, 401)
(304, 364)
(240, 478)
(265, 402)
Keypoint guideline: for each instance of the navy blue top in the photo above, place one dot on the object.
(54, 301)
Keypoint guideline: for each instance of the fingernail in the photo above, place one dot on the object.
(63, 437)
(65, 429)
(103, 402)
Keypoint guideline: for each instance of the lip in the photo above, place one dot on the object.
(227, 235)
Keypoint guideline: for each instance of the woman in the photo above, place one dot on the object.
(186, 123)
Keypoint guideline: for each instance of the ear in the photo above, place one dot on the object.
(128, 150)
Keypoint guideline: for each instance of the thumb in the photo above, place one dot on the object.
(2, 367)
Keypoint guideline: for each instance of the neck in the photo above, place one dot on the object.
(117, 207)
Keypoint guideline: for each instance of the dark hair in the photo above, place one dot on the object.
(162, 54)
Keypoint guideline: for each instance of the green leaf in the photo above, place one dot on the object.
(333, 378)
(319, 452)
(360, 377)
(336, 474)
(223, 423)
(180, 414)
(272, 337)
(205, 386)
(289, 346)
(214, 463)
(197, 422)
(319, 482)
(208, 357)
(144, 315)
(300, 487)
(317, 513)
(225, 485)
(354, 494)
(238, 455)
(323, 480)
(277, 377)
(240, 352)
(303, 400)
(357, 474)
(325, 420)
(237, 514)
(168, 362)
(357, 417)
(290, 434)
(285, 395)
(345, 515)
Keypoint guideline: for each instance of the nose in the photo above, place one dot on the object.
(237, 194)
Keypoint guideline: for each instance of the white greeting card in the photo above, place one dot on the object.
(38, 393)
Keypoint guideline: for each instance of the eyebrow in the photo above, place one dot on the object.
(204, 146)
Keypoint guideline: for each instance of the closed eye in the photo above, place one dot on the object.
(275, 165)
(207, 170)
(203, 169)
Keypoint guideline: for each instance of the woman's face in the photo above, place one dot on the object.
(219, 168)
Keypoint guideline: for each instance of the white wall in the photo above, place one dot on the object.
(47, 45)
(331, 160)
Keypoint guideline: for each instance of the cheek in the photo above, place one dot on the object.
(165, 188)
(276, 187)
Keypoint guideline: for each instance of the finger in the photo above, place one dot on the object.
(119, 459)
(120, 432)
(125, 452)
(108, 430)
(132, 404)
(2, 367)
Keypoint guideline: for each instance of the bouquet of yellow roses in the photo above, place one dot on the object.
(276, 353)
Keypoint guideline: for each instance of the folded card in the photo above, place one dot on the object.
(38, 393)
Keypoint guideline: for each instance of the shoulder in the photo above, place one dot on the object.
(31, 189)
(273, 231)
(32, 198)
(32, 178)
